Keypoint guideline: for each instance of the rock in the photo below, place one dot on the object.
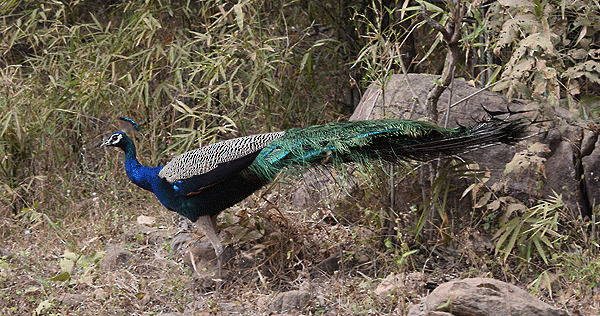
(213, 307)
(523, 175)
(389, 286)
(146, 220)
(591, 169)
(413, 281)
(398, 285)
(71, 299)
(397, 100)
(588, 144)
(201, 258)
(566, 143)
(562, 175)
(481, 297)
(201, 250)
(320, 187)
(116, 257)
(290, 301)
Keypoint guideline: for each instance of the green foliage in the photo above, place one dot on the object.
(195, 72)
(547, 45)
(35, 216)
(190, 72)
(440, 190)
(200, 129)
(402, 255)
(382, 55)
(530, 230)
(85, 267)
(581, 265)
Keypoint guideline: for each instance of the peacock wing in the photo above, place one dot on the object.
(205, 166)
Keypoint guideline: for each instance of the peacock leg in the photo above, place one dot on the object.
(207, 226)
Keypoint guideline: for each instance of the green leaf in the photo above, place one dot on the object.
(388, 243)
(540, 249)
(503, 233)
(408, 253)
(545, 240)
(513, 238)
(62, 277)
(307, 58)
(66, 265)
(239, 15)
(468, 189)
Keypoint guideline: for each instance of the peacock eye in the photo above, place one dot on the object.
(115, 139)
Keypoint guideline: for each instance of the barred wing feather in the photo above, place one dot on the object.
(205, 166)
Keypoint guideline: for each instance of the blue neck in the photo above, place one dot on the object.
(142, 176)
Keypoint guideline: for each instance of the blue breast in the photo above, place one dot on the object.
(209, 200)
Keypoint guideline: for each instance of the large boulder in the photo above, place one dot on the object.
(481, 297)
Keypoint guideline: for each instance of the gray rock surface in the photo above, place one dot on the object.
(290, 301)
(482, 297)
(591, 168)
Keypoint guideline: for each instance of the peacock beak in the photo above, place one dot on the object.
(104, 143)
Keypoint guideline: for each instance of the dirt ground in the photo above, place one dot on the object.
(106, 259)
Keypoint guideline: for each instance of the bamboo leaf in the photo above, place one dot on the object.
(239, 15)
(484, 199)
(540, 249)
(513, 238)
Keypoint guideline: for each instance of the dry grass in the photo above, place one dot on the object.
(69, 240)
(276, 249)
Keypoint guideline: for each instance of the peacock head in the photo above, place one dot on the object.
(120, 139)
(117, 139)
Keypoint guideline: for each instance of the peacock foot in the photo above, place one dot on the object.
(198, 253)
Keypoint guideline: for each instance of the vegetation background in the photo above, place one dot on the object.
(195, 72)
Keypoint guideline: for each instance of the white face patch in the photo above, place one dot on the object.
(113, 140)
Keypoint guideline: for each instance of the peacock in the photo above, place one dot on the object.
(201, 183)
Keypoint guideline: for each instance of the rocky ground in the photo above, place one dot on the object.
(279, 262)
